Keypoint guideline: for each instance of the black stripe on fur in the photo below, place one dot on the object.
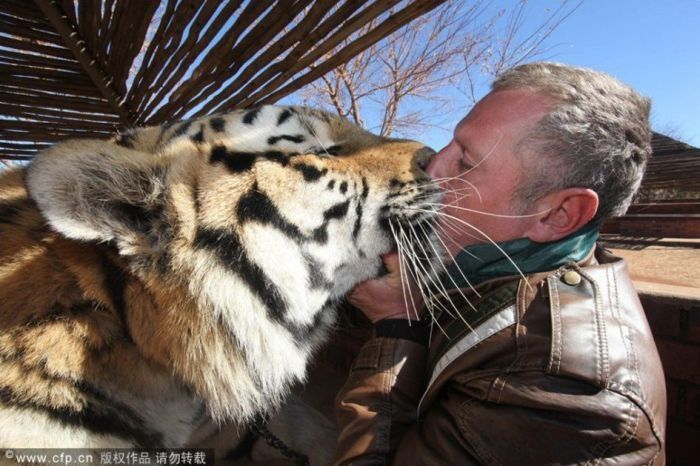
(276, 156)
(295, 138)
(163, 130)
(310, 172)
(365, 188)
(115, 280)
(358, 221)
(284, 116)
(250, 116)
(316, 278)
(182, 129)
(198, 137)
(235, 162)
(99, 415)
(10, 210)
(332, 150)
(337, 211)
(257, 206)
(320, 234)
(218, 124)
(228, 248)
(195, 199)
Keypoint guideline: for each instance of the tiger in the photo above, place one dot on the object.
(174, 279)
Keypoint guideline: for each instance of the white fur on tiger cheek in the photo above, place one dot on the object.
(344, 261)
(287, 268)
(270, 351)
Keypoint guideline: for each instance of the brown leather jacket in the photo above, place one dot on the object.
(555, 371)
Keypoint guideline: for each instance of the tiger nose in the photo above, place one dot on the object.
(424, 156)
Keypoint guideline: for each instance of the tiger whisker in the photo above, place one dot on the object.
(439, 183)
(408, 270)
(402, 271)
(442, 227)
(418, 263)
(490, 214)
(428, 302)
(456, 199)
(427, 236)
(311, 130)
(449, 223)
(428, 193)
(447, 296)
(410, 259)
(432, 302)
(487, 237)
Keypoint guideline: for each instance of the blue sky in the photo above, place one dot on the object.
(652, 45)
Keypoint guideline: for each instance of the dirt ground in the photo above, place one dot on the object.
(678, 267)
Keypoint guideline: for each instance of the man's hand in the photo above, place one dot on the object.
(385, 297)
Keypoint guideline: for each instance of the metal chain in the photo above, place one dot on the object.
(260, 428)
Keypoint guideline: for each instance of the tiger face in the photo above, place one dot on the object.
(234, 237)
(296, 204)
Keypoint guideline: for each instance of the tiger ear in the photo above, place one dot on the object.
(97, 191)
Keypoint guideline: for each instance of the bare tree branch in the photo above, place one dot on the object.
(404, 78)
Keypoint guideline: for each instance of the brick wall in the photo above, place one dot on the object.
(675, 324)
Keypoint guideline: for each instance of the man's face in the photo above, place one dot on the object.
(480, 169)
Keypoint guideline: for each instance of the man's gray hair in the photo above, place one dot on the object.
(597, 136)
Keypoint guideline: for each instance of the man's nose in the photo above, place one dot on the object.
(435, 166)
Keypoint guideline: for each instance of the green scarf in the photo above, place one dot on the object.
(481, 262)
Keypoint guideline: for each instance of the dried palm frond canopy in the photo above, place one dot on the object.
(87, 68)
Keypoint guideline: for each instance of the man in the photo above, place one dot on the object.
(557, 366)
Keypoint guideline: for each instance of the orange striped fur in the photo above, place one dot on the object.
(176, 277)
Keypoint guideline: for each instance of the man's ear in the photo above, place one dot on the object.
(97, 191)
(567, 210)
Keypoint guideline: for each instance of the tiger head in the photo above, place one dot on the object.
(260, 219)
